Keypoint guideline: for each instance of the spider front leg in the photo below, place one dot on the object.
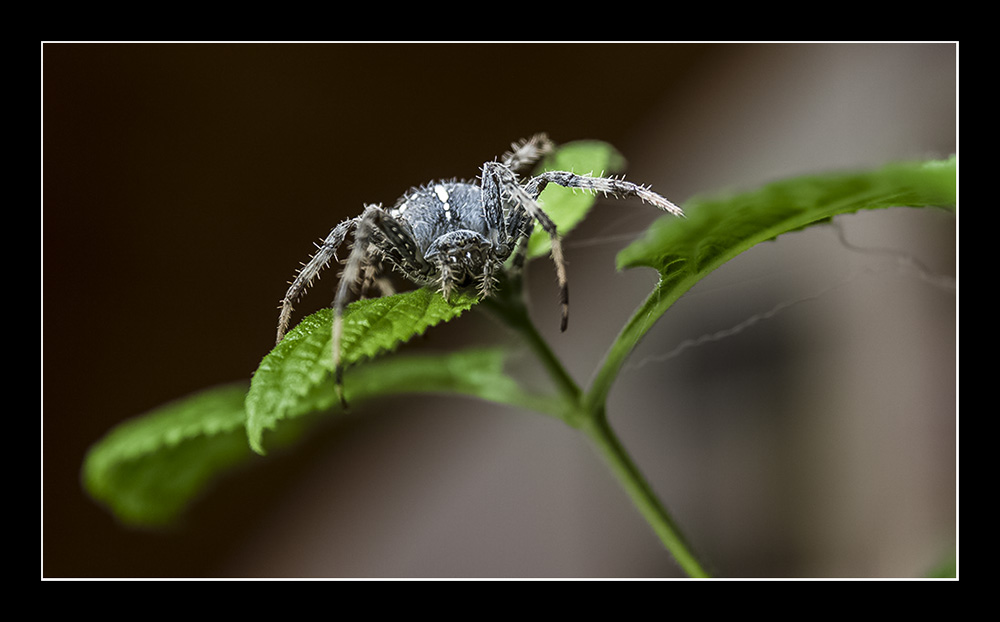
(326, 252)
(519, 229)
(351, 274)
(499, 181)
(377, 236)
(527, 152)
(606, 185)
(374, 279)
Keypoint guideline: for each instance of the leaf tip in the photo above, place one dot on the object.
(256, 444)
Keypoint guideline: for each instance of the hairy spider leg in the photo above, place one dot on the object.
(519, 228)
(526, 152)
(520, 224)
(499, 180)
(400, 247)
(606, 185)
(373, 278)
(352, 270)
(326, 251)
(397, 245)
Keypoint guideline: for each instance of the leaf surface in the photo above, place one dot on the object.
(718, 228)
(285, 381)
(148, 468)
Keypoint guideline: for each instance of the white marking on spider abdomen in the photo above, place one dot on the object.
(442, 195)
(441, 192)
(397, 211)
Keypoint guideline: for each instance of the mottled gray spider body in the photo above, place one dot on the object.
(453, 234)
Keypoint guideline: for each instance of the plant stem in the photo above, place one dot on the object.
(601, 434)
(585, 413)
(663, 295)
(515, 314)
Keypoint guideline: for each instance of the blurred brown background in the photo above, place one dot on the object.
(183, 184)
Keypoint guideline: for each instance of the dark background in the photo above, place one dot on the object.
(183, 184)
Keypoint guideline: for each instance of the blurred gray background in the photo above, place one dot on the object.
(183, 184)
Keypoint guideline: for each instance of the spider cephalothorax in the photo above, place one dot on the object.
(453, 234)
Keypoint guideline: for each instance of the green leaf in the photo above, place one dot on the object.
(565, 206)
(148, 468)
(717, 229)
(284, 383)
(476, 372)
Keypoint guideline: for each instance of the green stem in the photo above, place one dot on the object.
(515, 315)
(659, 300)
(585, 413)
(628, 474)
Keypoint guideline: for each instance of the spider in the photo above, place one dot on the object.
(454, 234)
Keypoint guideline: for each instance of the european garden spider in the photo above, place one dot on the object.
(454, 234)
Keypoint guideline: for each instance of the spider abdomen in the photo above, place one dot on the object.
(436, 209)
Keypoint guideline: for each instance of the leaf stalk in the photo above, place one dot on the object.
(583, 412)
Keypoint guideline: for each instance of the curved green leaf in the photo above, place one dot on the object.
(148, 468)
(716, 229)
(285, 381)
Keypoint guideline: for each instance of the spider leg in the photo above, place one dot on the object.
(607, 185)
(351, 274)
(527, 152)
(396, 243)
(519, 229)
(488, 280)
(557, 255)
(499, 180)
(326, 252)
(374, 279)
(376, 235)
